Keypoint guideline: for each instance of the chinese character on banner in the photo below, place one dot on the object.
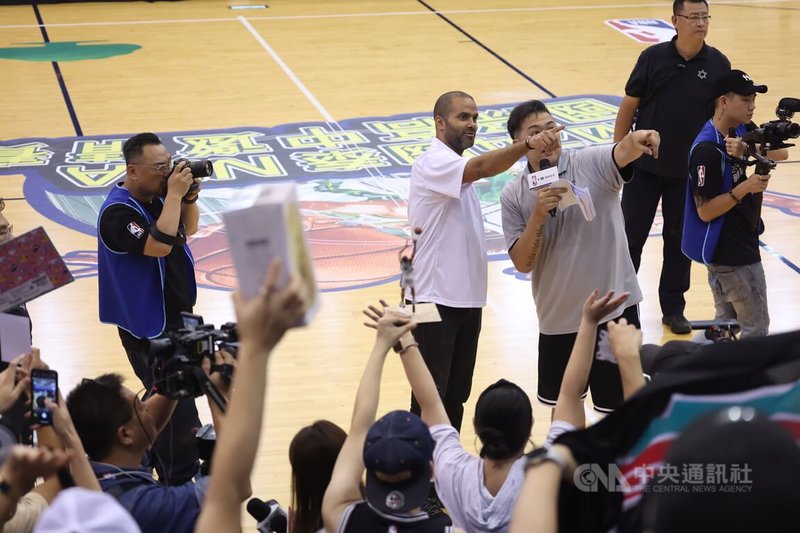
(405, 153)
(494, 121)
(95, 151)
(221, 144)
(25, 155)
(340, 160)
(319, 137)
(410, 129)
(582, 111)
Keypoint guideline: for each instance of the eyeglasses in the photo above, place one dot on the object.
(161, 168)
(695, 19)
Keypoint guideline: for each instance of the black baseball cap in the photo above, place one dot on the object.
(737, 82)
(399, 447)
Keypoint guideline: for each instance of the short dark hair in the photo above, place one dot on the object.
(503, 420)
(522, 112)
(313, 454)
(445, 102)
(133, 147)
(677, 5)
(98, 408)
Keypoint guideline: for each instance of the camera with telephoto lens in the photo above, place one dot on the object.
(176, 358)
(200, 168)
(773, 135)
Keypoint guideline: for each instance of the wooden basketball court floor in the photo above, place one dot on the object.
(276, 87)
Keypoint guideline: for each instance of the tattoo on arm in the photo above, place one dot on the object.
(537, 243)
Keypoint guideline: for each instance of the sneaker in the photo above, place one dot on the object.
(677, 324)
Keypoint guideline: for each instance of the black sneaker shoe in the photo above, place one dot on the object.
(677, 324)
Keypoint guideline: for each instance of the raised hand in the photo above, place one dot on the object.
(596, 307)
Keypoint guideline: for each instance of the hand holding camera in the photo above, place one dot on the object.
(756, 183)
(180, 180)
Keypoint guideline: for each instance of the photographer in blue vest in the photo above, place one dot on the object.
(722, 219)
(146, 275)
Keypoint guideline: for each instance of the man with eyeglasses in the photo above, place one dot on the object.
(146, 275)
(668, 91)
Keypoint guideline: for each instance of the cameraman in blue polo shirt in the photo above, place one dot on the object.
(722, 219)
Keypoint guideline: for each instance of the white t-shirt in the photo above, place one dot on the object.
(460, 486)
(450, 266)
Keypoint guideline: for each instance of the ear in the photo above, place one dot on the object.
(439, 123)
(125, 435)
(131, 171)
(674, 20)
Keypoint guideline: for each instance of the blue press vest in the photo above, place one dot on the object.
(131, 287)
(699, 239)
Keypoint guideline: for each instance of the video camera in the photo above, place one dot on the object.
(719, 330)
(773, 134)
(176, 359)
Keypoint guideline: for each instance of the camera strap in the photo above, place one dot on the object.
(160, 236)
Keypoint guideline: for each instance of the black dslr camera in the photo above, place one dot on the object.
(176, 359)
(773, 134)
(719, 330)
(201, 168)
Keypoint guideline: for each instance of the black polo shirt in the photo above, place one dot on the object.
(675, 101)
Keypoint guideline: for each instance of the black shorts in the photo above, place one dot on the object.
(604, 379)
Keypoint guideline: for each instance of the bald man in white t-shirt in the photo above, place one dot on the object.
(450, 264)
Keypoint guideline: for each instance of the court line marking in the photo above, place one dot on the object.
(59, 78)
(372, 170)
(288, 71)
(486, 48)
(729, 3)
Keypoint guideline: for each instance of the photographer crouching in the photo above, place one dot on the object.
(722, 219)
(146, 274)
(117, 429)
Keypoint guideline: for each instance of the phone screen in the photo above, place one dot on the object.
(44, 384)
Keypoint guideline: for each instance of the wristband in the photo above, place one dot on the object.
(735, 199)
(527, 145)
(193, 200)
(404, 343)
(176, 240)
(543, 455)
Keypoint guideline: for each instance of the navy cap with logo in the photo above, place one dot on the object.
(737, 82)
(397, 455)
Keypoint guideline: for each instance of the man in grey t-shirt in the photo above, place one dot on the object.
(567, 255)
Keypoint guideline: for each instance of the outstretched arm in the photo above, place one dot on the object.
(343, 488)
(569, 406)
(626, 344)
(419, 377)
(263, 320)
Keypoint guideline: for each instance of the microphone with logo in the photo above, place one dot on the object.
(270, 516)
(544, 164)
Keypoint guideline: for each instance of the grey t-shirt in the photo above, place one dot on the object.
(576, 256)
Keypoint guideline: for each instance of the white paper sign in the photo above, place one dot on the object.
(15, 336)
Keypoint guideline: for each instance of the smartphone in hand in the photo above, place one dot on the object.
(44, 385)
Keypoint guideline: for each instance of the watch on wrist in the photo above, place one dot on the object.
(543, 455)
